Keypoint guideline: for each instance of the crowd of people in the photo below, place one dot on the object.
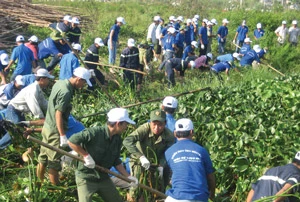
(162, 147)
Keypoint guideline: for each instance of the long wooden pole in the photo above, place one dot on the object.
(102, 169)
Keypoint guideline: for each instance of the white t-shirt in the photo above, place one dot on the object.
(283, 32)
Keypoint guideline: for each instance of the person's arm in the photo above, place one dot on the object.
(122, 170)
(78, 149)
(250, 196)
(110, 41)
(9, 65)
(236, 33)
(33, 104)
(227, 72)
(211, 181)
(59, 123)
(284, 190)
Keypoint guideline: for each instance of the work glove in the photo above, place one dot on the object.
(145, 162)
(92, 72)
(160, 170)
(89, 161)
(63, 141)
(135, 182)
(147, 67)
(202, 46)
(222, 40)
(24, 123)
(233, 41)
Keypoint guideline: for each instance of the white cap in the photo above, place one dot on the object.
(184, 125)
(225, 21)
(244, 22)
(130, 42)
(214, 21)
(297, 156)
(156, 18)
(180, 18)
(122, 20)
(172, 18)
(171, 30)
(197, 17)
(68, 18)
(19, 80)
(205, 20)
(247, 40)
(118, 115)
(294, 22)
(195, 21)
(4, 59)
(209, 23)
(194, 43)
(20, 38)
(83, 73)
(256, 48)
(210, 55)
(258, 26)
(283, 22)
(77, 46)
(192, 63)
(43, 73)
(75, 20)
(99, 41)
(170, 102)
(33, 39)
(236, 55)
(188, 21)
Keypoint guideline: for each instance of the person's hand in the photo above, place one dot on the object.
(24, 123)
(202, 46)
(145, 162)
(147, 67)
(89, 161)
(6, 69)
(160, 170)
(63, 140)
(135, 182)
(59, 55)
(222, 40)
(92, 72)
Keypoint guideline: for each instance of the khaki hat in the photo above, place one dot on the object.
(158, 115)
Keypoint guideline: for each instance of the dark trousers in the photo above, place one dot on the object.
(203, 51)
(54, 61)
(130, 78)
(170, 74)
(100, 77)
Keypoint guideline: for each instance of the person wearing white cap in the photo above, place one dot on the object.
(229, 58)
(92, 55)
(151, 34)
(30, 78)
(248, 58)
(130, 60)
(178, 22)
(101, 145)
(294, 33)
(210, 35)
(258, 32)
(25, 59)
(56, 122)
(169, 105)
(281, 182)
(222, 35)
(241, 34)
(191, 165)
(260, 51)
(74, 32)
(113, 39)
(202, 62)
(217, 68)
(62, 27)
(203, 38)
(189, 51)
(32, 44)
(69, 62)
(189, 33)
(282, 33)
(4, 60)
(246, 46)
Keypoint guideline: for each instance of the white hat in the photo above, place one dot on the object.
(209, 23)
(119, 114)
(197, 17)
(210, 55)
(83, 73)
(205, 20)
(68, 18)
(33, 39)
(225, 21)
(188, 21)
(99, 41)
(170, 102)
(247, 40)
(294, 22)
(75, 20)
(258, 26)
(4, 59)
(194, 43)
(244, 22)
(43, 73)
(192, 63)
(256, 48)
(19, 80)
(122, 20)
(172, 18)
(283, 22)
(195, 21)
(297, 156)
(171, 30)
(180, 18)
(236, 55)
(214, 21)
(20, 38)
(130, 42)
(184, 125)
(77, 46)
(156, 18)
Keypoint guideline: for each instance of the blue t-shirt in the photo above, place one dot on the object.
(249, 57)
(46, 48)
(170, 122)
(225, 58)
(177, 25)
(186, 52)
(10, 91)
(126, 165)
(179, 39)
(220, 67)
(188, 34)
(28, 79)
(68, 63)
(169, 41)
(261, 53)
(259, 33)
(222, 31)
(25, 58)
(116, 29)
(242, 31)
(74, 126)
(245, 48)
(190, 164)
(203, 32)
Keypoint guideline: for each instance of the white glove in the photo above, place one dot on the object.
(135, 182)
(233, 41)
(147, 67)
(89, 161)
(160, 170)
(202, 46)
(63, 141)
(92, 72)
(222, 40)
(145, 163)
(24, 123)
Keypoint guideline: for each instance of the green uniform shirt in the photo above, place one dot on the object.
(60, 99)
(143, 142)
(104, 151)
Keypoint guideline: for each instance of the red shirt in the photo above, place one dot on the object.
(34, 49)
